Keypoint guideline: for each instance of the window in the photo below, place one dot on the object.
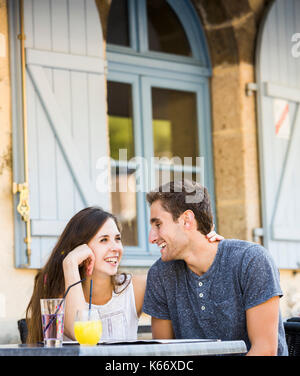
(158, 109)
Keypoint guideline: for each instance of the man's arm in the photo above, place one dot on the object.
(161, 329)
(262, 327)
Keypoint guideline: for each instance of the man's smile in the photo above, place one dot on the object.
(162, 245)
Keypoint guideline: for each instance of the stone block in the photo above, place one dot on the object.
(226, 99)
(222, 46)
(232, 222)
(229, 166)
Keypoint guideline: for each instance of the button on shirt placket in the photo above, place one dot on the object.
(201, 295)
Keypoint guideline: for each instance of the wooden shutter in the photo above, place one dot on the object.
(66, 115)
(278, 73)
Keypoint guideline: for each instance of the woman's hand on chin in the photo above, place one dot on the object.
(81, 255)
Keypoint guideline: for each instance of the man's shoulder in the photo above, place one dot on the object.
(241, 246)
(245, 251)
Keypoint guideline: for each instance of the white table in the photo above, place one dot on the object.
(138, 348)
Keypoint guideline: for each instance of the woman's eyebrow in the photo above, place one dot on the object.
(107, 236)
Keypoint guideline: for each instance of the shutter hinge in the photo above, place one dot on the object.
(250, 88)
(257, 234)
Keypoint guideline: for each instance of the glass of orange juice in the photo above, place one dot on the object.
(88, 327)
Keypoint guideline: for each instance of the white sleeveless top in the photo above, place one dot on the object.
(119, 317)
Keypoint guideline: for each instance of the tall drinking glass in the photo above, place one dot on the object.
(52, 311)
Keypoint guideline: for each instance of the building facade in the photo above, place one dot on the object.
(101, 100)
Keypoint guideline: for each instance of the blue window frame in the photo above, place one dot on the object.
(146, 70)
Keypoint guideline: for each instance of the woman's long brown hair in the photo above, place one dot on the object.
(49, 281)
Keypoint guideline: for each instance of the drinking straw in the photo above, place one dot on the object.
(58, 308)
(90, 300)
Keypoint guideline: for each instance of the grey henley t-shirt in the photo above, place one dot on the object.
(214, 305)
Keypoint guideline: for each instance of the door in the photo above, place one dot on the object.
(278, 73)
(66, 117)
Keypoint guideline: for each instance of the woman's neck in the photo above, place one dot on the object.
(102, 289)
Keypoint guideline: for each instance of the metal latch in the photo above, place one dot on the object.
(23, 205)
(23, 209)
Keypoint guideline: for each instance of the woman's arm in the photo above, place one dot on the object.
(75, 299)
(139, 287)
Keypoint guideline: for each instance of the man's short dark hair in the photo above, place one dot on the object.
(178, 196)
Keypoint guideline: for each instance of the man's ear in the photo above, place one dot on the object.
(188, 219)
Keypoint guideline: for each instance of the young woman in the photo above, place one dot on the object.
(90, 247)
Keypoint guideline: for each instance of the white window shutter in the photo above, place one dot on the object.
(66, 115)
(278, 100)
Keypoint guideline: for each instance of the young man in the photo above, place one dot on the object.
(228, 290)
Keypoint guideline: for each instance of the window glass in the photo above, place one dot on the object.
(120, 119)
(119, 97)
(117, 27)
(165, 32)
(174, 122)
